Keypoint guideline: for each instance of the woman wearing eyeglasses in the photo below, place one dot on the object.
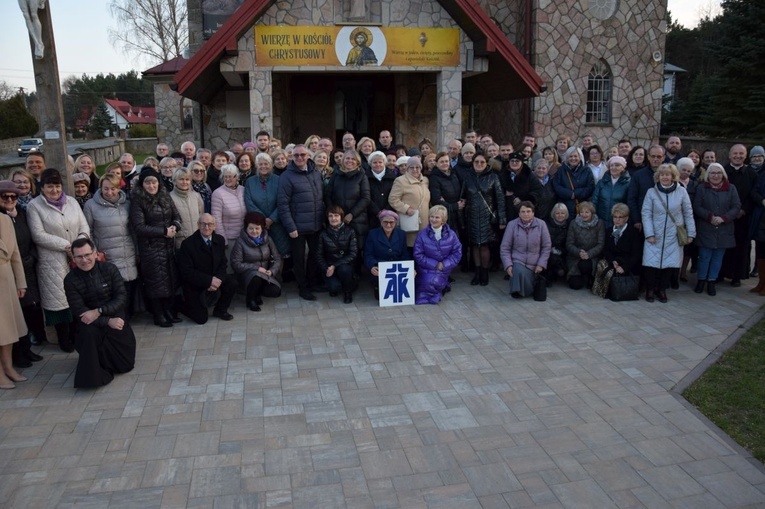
(23, 356)
(13, 286)
(715, 205)
(484, 216)
(198, 174)
(26, 185)
(189, 204)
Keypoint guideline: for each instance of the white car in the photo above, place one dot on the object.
(30, 146)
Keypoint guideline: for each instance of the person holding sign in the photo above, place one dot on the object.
(384, 244)
(437, 250)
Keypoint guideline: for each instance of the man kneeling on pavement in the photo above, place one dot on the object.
(97, 297)
(202, 268)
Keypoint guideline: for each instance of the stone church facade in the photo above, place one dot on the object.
(549, 67)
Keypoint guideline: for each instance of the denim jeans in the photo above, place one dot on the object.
(710, 261)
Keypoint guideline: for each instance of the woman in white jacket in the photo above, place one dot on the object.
(55, 221)
(666, 206)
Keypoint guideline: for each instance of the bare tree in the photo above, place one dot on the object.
(7, 91)
(155, 29)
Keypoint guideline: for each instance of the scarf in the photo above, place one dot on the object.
(258, 241)
(379, 176)
(617, 233)
(666, 190)
(82, 199)
(182, 194)
(526, 226)
(587, 224)
(23, 201)
(59, 204)
(202, 189)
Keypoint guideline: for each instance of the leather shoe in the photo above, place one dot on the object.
(699, 286)
(65, 345)
(347, 298)
(735, 283)
(711, 290)
(306, 295)
(33, 356)
(649, 296)
(253, 305)
(170, 317)
(662, 296)
(223, 315)
(161, 323)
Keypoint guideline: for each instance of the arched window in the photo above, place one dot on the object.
(187, 110)
(599, 87)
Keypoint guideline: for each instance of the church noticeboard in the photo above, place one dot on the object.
(356, 46)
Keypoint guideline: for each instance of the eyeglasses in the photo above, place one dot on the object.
(388, 222)
(197, 171)
(479, 161)
(21, 182)
(207, 225)
(715, 173)
(84, 256)
(300, 154)
(8, 197)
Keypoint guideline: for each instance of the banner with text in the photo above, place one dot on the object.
(356, 46)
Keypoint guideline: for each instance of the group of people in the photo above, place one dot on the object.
(182, 232)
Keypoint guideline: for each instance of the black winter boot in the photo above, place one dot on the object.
(484, 276)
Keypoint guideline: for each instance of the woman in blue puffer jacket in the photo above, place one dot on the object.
(437, 250)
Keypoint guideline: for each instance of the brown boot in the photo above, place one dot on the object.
(760, 288)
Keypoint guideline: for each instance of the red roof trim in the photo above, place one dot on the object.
(497, 41)
(226, 37)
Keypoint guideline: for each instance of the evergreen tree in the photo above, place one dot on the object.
(15, 119)
(101, 122)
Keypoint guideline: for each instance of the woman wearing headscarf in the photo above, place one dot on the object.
(387, 243)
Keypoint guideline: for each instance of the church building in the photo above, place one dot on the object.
(419, 68)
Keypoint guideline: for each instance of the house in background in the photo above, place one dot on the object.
(125, 115)
(418, 68)
(670, 84)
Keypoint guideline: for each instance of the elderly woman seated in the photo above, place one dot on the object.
(437, 250)
(621, 251)
(256, 261)
(384, 244)
(525, 250)
(584, 245)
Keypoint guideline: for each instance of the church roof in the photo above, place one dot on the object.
(510, 76)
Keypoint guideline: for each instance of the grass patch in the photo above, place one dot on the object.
(732, 392)
(138, 159)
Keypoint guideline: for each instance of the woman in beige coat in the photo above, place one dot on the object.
(189, 204)
(410, 196)
(13, 285)
(55, 221)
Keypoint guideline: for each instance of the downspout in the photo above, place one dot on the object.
(526, 113)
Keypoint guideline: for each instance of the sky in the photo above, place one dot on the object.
(83, 46)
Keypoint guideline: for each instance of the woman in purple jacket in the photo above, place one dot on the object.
(524, 250)
(437, 250)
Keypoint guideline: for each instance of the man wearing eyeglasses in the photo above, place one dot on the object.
(641, 182)
(97, 298)
(202, 268)
(301, 211)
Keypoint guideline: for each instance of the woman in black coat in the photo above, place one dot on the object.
(349, 189)
(557, 225)
(446, 189)
(380, 183)
(519, 184)
(485, 215)
(336, 254)
(155, 222)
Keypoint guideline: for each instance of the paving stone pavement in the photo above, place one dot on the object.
(480, 402)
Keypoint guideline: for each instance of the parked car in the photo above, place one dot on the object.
(30, 145)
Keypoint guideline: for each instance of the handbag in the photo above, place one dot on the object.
(624, 288)
(410, 223)
(682, 231)
(540, 288)
(603, 275)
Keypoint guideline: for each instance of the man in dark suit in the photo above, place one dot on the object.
(202, 267)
